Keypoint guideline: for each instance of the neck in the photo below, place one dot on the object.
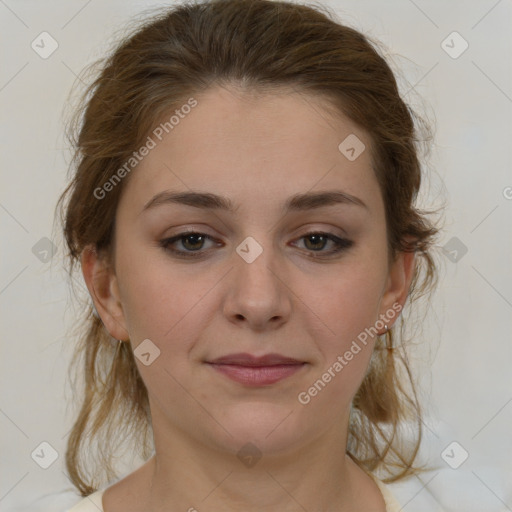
(187, 475)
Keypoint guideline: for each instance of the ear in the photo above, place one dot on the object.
(399, 281)
(102, 284)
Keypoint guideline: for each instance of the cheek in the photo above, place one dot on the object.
(142, 286)
(347, 302)
(348, 306)
(162, 302)
(348, 311)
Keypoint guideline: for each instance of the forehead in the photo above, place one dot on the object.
(256, 146)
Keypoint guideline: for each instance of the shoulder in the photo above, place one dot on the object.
(57, 501)
(91, 503)
(392, 505)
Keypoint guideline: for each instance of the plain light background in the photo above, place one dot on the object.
(465, 354)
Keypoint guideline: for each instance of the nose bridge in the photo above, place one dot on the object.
(257, 290)
(257, 262)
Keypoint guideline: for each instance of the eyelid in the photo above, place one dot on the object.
(166, 242)
(341, 244)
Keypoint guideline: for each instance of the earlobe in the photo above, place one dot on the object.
(102, 285)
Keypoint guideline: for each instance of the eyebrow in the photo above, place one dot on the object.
(297, 202)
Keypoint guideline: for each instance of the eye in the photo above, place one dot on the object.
(316, 241)
(192, 241)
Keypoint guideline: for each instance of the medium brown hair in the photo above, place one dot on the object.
(254, 44)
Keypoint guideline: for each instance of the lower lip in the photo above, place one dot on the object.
(257, 375)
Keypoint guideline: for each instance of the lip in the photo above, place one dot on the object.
(244, 359)
(257, 375)
(256, 371)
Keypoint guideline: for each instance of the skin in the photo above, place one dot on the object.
(257, 150)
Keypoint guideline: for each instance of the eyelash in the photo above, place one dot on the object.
(341, 243)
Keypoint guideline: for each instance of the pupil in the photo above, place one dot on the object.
(196, 240)
(319, 238)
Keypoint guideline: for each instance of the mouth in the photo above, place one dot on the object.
(256, 371)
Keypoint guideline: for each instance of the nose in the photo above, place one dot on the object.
(258, 293)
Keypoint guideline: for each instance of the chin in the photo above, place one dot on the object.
(270, 427)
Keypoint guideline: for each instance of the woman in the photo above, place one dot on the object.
(243, 214)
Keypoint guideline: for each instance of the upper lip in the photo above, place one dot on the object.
(244, 359)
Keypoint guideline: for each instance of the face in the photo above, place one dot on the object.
(299, 278)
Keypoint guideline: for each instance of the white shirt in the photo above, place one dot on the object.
(93, 502)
